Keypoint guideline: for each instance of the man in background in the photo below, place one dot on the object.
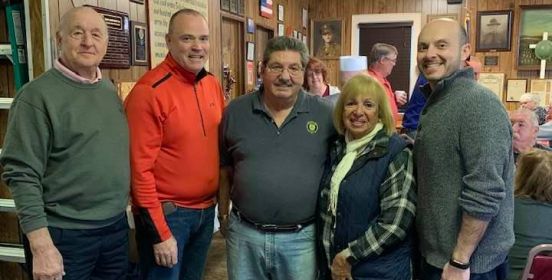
(65, 159)
(383, 58)
(525, 127)
(174, 112)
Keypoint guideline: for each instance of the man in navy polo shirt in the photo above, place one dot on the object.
(273, 146)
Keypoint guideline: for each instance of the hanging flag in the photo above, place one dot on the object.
(266, 8)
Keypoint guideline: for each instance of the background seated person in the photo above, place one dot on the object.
(525, 128)
(533, 207)
(316, 80)
(367, 201)
(531, 101)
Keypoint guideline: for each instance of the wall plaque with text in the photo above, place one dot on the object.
(118, 47)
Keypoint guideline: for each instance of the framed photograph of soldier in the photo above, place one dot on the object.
(533, 22)
(139, 43)
(515, 88)
(494, 31)
(327, 38)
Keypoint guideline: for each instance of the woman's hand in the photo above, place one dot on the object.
(341, 269)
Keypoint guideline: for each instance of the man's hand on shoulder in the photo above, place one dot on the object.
(166, 252)
(47, 261)
(453, 273)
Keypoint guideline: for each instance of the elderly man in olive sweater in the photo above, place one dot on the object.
(465, 165)
(66, 160)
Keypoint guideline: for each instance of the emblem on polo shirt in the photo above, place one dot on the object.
(312, 127)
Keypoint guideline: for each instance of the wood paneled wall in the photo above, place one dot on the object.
(329, 9)
(507, 61)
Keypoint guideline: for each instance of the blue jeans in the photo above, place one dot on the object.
(193, 230)
(90, 254)
(429, 272)
(257, 255)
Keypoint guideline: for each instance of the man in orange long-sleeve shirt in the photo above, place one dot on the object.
(173, 113)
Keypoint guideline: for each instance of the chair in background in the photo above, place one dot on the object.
(539, 264)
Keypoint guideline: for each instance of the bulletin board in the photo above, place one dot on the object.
(159, 14)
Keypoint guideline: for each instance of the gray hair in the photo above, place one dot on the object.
(530, 97)
(533, 119)
(283, 43)
(380, 50)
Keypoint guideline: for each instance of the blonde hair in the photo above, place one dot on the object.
(534, 176)
(366, 86)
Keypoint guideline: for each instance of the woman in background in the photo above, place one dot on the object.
(533, 207)
(367, 199)
(316, 80)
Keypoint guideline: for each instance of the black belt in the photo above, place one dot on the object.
(272, 227)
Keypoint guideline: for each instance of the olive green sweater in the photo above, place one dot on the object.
(65, 154)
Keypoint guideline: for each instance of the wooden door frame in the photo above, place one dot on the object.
(414, 18)
(243, 66)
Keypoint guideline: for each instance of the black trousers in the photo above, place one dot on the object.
(90, 253)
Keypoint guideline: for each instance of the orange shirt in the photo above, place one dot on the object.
(173, 118)
(390, 95)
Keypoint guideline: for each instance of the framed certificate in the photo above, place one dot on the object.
(494, 82)
(515, 88)
(542, 87)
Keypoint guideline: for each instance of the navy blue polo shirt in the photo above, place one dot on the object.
(277, 170)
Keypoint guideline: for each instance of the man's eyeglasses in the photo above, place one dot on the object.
(293, 70)
(394, 60)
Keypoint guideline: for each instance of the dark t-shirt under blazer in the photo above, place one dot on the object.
(277, 171)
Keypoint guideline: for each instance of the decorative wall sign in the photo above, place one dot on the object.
(491, 60)
(266, 8)
(118, 46)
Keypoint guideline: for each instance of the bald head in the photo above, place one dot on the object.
(69, 18)
(188, 12)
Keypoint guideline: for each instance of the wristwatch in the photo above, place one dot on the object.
(458, 264)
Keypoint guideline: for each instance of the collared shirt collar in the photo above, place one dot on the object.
(74, 76)
(187, 75)
(466, 73)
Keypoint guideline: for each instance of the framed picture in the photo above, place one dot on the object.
(281, 29)
(515, 88)
(542, 87)
(494, 82)
(250, 25)
(494, 31)
(225, 5)
(432, 17)
(326, 38)
(139, 43)
(533, 21)
(265, 7)
(234, 6)
(295, 34)
(491, 60)
(280, 12)
(250, 54)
